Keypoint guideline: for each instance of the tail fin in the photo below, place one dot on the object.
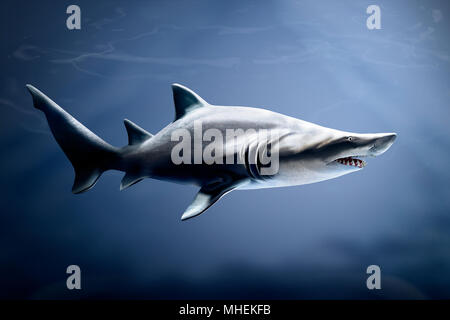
(90, 155)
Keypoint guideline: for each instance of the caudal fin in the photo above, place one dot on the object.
(89, 154)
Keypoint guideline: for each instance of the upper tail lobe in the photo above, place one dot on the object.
(89, 154)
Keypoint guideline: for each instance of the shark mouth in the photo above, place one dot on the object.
(349, 161)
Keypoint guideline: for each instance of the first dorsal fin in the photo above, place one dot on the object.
(136, 134)
(185, 100)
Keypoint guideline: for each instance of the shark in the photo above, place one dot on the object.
(305, 152)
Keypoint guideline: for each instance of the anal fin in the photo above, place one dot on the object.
(129, 179)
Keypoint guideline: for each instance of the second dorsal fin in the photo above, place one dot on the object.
(136, 134)
(185, 100)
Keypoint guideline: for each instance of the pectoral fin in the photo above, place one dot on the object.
(206, 197)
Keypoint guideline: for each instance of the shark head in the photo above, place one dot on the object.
(328, 154)
(347, 152)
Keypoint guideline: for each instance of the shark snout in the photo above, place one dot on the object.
(382, 142)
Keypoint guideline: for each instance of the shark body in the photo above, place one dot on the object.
(306, 152)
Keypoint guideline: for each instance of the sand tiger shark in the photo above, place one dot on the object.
(306, 152)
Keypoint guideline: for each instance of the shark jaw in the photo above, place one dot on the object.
(351, 161)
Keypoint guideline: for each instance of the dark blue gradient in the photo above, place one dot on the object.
(313, 60)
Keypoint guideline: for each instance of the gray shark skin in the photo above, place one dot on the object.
(308, 152)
